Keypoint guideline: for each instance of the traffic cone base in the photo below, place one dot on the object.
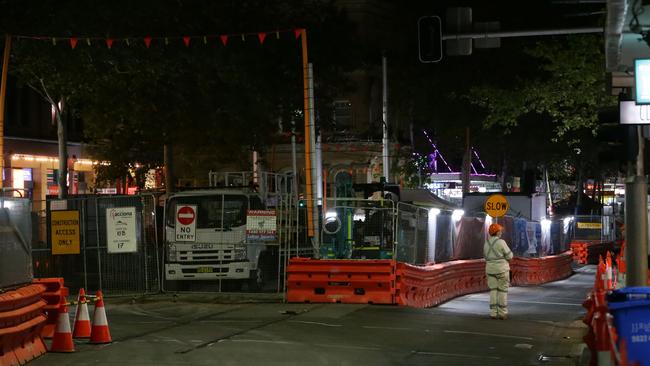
(62, 340)
(99, 333)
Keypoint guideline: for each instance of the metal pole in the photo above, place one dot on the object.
(294, 163)
(319, 170)
(99, 257)
(309, 194)
(636, 228)
(385, 149)
(530, 33)
(3, 94)
(313, 160)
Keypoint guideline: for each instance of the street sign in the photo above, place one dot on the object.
(496, 205)
(186, 223)
(64, 226)
(120, 230)
(261, 225)
(642, 80)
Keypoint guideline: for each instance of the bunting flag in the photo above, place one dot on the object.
(148, 40)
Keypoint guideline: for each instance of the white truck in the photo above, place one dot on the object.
(206, 236)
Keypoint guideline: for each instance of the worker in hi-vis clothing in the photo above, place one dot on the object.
(497, 255)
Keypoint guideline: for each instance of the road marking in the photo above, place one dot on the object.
(257, 341)
(545, 303)
(443, 354)
(230, 321)
(487, 334)
(387, 328)
(523, 346)
(315, 323)
(366, 348)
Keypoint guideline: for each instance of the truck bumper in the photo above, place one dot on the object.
(234, 270)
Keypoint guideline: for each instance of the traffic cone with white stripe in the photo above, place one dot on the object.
(81, 319)
(609, 273)
(100, 333)
(62, 340)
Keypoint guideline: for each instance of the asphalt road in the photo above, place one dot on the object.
(544, 328)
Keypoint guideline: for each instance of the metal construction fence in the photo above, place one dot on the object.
(96, 242)
(374, 229)
(15, 241)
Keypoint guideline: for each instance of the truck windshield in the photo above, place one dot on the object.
(214, 211)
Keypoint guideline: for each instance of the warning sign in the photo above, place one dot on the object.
(120, 230)
(496, 205)
(590, 225)
(261, 225)
(186, 223)
(64, 226)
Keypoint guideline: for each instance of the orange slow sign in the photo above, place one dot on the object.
(496, 205)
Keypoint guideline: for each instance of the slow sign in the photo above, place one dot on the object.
(496, 205)
(186, 223)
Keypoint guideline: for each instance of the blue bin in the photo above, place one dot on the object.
(631, 310)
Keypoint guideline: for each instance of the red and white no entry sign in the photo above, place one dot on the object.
(186, 215)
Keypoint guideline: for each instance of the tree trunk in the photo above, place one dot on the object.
(62, 135)
(578, 189)
(504, 173)
(169, 167)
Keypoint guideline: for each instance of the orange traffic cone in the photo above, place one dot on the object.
(62, 340)
(608, 272)
(100, 333)
(601, 270)
(81, 318)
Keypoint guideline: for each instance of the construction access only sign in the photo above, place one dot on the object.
(64, 227)
(261, 225)
(120, 230)
(186, 222)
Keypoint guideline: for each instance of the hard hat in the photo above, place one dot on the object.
(494, 229)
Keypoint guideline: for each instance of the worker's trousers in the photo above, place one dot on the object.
(498, 284)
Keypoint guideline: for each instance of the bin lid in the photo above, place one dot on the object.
(628, 304)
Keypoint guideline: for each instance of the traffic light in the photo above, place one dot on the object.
(430, 39)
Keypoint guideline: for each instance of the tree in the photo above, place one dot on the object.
(209, 101)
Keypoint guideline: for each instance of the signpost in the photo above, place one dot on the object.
(186, 223)
(496, 205)
(120, 230)
(64, 227)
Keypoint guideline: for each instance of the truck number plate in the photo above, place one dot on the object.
(204, 270)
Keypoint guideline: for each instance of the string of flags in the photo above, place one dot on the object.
(166, 40)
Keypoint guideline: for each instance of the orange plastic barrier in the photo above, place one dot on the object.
(424, 286)
(21, 321)
(53, 295)
(535, 271)
(342, 281)
(587, 252)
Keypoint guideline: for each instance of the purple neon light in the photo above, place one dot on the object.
(436, 150)
(478, 157)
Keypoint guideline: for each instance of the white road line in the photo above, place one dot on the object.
(365, 348)
(487, 334)
(387, 328)
(230, 321)
(545, 303)
(316, 323)
(443, 354)
(260, 341)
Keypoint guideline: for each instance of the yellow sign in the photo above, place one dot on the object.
(590, 225)
(64, 226)
(496, 205)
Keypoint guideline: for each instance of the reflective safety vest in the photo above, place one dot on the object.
(497, 254)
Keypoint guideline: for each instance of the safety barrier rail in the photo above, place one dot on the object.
(388, 282)
(341, 281)
(424, 286)
(21, 320)
(587, 252)
(54, 293)
(536, 271)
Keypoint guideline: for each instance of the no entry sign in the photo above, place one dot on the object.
(186, 215)
(186, 223)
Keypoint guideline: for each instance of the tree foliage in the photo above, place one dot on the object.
(213, 103)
